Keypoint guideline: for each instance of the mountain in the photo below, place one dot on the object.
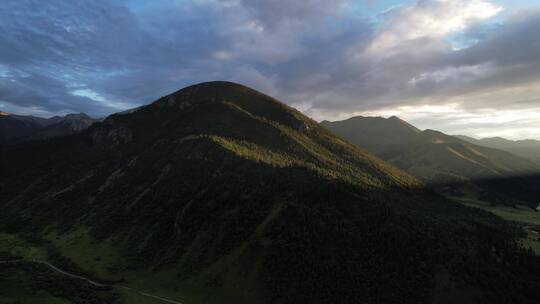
(218, 193)
(15, 128)
(378, 135)
(529, 148)
(440, 159)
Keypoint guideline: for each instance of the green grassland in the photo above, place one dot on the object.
(519, 214)
(21, 248)
(96, 259)
(526, 217)
(102, 261)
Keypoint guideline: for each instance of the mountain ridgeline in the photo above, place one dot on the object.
(442, 160)
(528, 148)
(250, 201)
(17, 128)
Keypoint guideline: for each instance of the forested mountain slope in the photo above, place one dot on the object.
(257, 203)
(528, 148)
(440, 159)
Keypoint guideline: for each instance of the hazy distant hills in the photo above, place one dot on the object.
(529, 148)
(438, 158)
(244, 199)
(15, 128)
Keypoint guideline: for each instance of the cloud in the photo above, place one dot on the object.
(46, 95)
(407, 61)
(326, 57)
(270, 13)
(428, 19)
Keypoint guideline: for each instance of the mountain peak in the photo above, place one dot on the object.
(435, 132)
(403, 122)
(16, 128)
(245, 122)
(214, 89)
(214, 96)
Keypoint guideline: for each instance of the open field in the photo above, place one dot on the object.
(76, 252)
(519, 214)
(18, 280)
(528, 218)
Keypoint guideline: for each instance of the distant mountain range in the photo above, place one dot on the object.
(230, 196)
(15, 128)
(528, 148)
(440, 159)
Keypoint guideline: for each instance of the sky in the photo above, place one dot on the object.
(467, 67)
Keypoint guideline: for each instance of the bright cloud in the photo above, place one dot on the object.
(429, 19)
(460, 73)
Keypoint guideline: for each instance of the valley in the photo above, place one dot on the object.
(525, 217)
(27, 264)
